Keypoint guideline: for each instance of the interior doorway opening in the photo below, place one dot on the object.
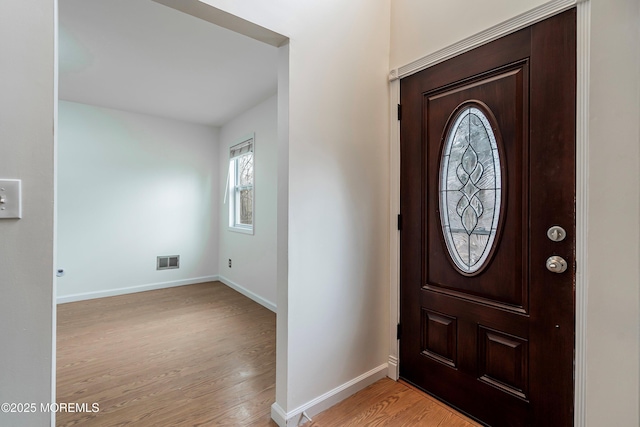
(279, 102)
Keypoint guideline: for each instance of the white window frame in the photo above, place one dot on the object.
(233, 189)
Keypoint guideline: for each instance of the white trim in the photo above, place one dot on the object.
(278, 415)
(394, 233)
(514, 24)
(249, 294)
(54, 278)
(327, 400)
(243, 230)
(282, 230)
(394, 367)
(582, 170)
(582, 204)
(133, 289)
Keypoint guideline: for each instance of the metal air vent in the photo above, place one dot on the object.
(167, 262)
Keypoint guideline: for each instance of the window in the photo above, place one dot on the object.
(470, 189)
(241, 205)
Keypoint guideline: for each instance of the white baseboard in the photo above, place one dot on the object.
(327, 400)
(278, 415)
(393, 371)
(249, 294)
(133, 289)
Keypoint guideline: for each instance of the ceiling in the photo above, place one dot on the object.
(144, 57)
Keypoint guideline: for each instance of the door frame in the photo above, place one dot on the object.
(540, 13)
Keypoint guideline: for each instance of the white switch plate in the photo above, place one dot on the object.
(11, 194)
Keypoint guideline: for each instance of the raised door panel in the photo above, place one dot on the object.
(503, 280)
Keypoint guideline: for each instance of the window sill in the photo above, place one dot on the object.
(243, 230)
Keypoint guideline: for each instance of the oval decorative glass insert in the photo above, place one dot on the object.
(470, 189)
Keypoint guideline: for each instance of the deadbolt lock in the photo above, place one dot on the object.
(556, 233)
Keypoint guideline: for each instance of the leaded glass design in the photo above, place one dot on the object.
(470, 189)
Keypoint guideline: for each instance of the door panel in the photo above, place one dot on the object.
(504, 278)
(495, 340)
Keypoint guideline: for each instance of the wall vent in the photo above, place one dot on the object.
(167, 262)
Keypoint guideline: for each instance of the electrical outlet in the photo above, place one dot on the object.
(229, 262)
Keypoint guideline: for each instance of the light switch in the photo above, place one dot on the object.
(10, 198)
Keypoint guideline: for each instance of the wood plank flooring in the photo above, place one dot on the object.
(194, 355)
(198, 355)
(392, 404)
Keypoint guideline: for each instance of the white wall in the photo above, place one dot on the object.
(254, 256)
(338, 195)
(422, 27)
(338, 191)
(132, 187)
(26, 246)
(613, 314)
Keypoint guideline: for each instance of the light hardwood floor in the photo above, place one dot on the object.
(199, 355)
(194, 355)
(391, 404)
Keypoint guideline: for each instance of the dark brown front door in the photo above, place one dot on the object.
(487, 171)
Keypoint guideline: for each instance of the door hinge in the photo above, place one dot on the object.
(399, 331)
(399, 222)
(399, 112)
